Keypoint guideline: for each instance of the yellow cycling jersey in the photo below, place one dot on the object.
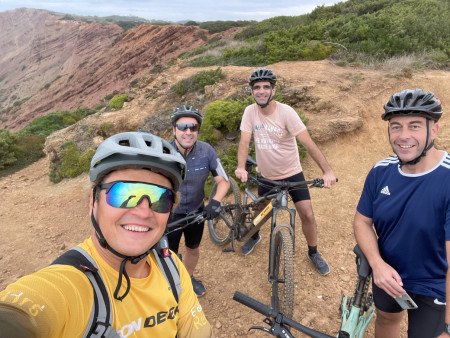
(59, 299)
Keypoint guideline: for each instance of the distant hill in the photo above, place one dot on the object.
(50, 63)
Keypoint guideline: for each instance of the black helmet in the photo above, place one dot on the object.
(137, 149)
(262, 74)
(413, 102)
(186, 111)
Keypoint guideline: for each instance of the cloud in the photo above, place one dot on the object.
(175, 10)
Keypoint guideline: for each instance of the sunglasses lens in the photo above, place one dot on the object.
(185, 126)
(130, 194)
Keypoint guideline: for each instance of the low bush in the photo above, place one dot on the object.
(198, 82)
(8, 142)
(72, 162)
(117, 101)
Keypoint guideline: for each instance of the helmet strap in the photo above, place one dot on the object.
(264, 105)
(122, 270)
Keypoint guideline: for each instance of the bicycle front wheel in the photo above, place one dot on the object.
(221, 228)
(282, 257)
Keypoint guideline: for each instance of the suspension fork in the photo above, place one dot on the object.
(280, 203)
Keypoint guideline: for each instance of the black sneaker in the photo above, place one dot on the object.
(198, 286)
(319, 263)
(250, 245)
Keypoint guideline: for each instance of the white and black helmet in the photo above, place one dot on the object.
(137, 149)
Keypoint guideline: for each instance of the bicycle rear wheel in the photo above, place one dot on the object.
(282, 256)
(220, 228)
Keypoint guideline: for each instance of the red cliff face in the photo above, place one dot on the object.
(49, 64)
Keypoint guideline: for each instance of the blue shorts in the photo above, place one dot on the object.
(427, 321)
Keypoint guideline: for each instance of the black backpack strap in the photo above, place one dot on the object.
(100, 320)
(170, 271)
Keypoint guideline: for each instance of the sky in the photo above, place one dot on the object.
(176, 10)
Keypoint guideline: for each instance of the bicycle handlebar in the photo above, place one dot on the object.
(317, 182)
(189, 219)
(276, 315)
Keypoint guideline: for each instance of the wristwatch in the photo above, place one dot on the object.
(447, 328)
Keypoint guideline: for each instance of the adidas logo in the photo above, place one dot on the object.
(385, 191)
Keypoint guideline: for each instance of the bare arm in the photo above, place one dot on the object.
(222, 188)
(244, 144)
(384, 275)
(14, 322)
(313, 150)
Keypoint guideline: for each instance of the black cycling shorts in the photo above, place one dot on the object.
(427, 321)
(297, 194)
(193, 233)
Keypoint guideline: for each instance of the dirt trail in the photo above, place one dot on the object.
(40, 219)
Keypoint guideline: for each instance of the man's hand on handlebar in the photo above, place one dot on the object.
(212, 210)
(241, 174)
(329, 179)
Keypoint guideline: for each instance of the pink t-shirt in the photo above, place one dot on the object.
(275, 143)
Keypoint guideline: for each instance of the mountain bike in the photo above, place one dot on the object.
(238, 221)
(356, 312)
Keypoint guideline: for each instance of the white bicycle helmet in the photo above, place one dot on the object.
(137, 149)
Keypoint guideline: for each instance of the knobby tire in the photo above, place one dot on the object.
(220, 228)
(283, 258)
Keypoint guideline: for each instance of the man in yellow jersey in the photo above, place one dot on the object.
(135, 177)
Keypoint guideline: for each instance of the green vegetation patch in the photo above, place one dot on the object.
(198, 82)
(47, 124)
(118, 101)
(71, 163)
(20, 149)
(378, 29)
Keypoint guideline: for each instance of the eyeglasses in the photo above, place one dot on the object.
(193, 127)
(129, 194)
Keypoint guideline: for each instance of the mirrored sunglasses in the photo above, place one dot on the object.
(193, 127)
(128, 194)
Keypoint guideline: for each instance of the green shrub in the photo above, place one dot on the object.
(47, 124)
(29, 149)
(106, 129)
(72, 163)
(198, 82)
(221, 26)
(379, 29)
(223, 115)
(8, 142)
(117, 101)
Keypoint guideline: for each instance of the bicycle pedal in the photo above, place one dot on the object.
(228, 250)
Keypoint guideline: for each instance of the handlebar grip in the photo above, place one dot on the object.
(252, 303)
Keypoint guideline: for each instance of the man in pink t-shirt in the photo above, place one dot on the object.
(276, 128)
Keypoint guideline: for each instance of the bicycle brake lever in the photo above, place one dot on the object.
(262, 328)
